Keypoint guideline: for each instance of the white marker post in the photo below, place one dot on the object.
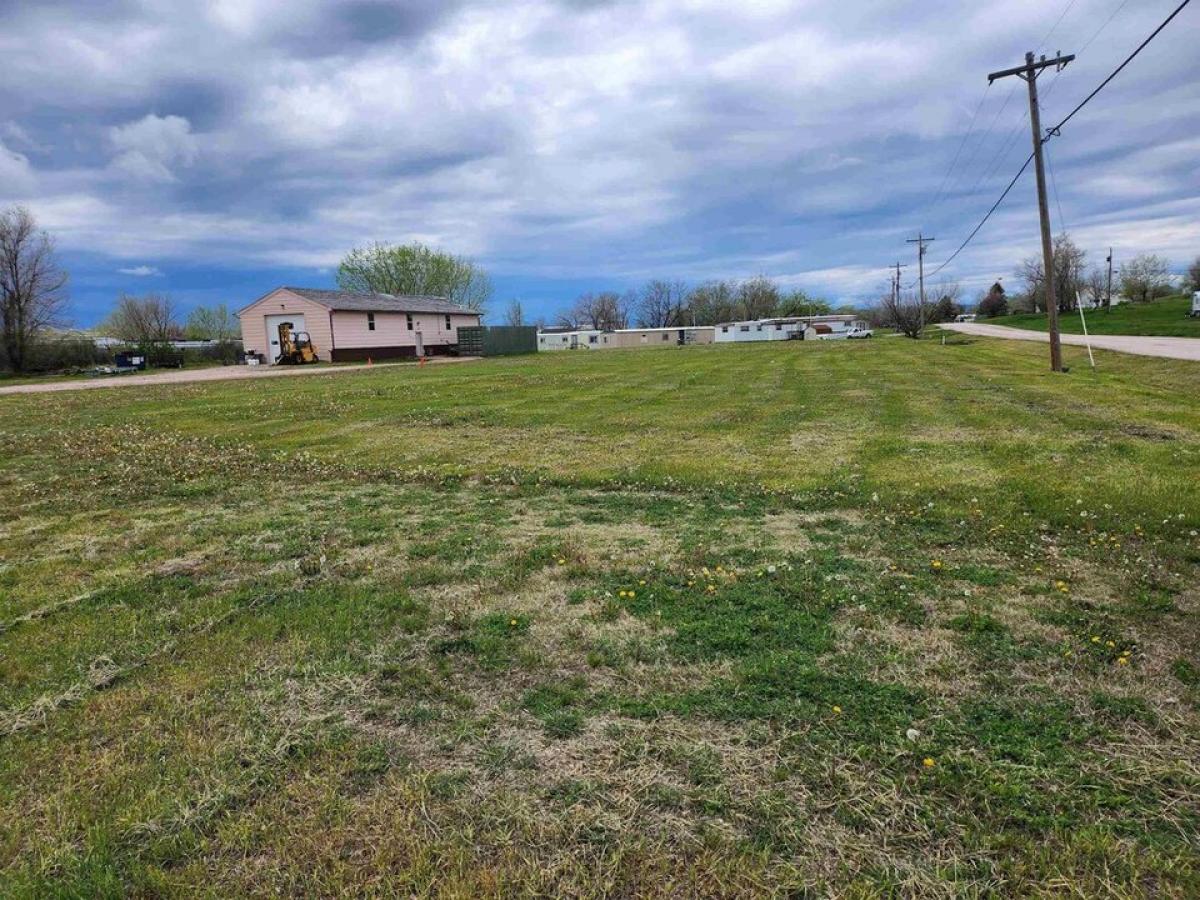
(1079, 303)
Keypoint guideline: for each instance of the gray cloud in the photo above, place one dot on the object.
(576, 139)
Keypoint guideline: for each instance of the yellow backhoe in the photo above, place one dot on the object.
(295, 347)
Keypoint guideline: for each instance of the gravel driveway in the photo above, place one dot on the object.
(191, 376)
(1169, 347)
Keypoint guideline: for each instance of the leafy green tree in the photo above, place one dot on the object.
(211, 323)
(415, 269)
(799, 303)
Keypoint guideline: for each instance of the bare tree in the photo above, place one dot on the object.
(612, 310)
(660, 304)
(1192, 280)
(905, 312)
(1069, 263)
(758, 298)
(569, 318)
(144, 321)
(32, 287)
(514, 314)
(1146, 277)
(1095, 288)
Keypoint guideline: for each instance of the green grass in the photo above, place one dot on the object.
(877, 619)
(1167, 317)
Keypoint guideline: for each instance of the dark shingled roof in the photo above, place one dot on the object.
(348, 300)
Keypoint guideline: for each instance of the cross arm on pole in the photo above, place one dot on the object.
(1032, 67)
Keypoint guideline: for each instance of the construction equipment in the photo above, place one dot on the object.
(295, 347)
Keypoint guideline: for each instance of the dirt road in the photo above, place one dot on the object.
(191, 376)
(1169, 347)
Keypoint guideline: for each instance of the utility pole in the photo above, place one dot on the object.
(1108, 290)
(896, 283)
(1029, 73)
(920, 240)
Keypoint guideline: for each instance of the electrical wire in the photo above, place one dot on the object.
(1055, 132)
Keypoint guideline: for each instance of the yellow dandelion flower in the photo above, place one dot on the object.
(1123, 661)
(928, 762)
(620, 593)
(1095, 638)
(937, 564)
(837, 710)
(632, 594)
(512, 621)
(643, 581)
(1110, 644)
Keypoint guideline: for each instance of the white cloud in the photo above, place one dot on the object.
(588, 140)
(16, 175)
(149, 147)
(141, 271)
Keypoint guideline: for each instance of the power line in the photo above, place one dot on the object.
(961, 144)
(971, 128)
(1055, 131)
(1117, 71)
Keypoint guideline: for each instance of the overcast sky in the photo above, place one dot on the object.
(216, 150)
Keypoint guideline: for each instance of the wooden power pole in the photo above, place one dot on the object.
(1029, 72)
(1108, 289)
(896, 284)
(920, 240)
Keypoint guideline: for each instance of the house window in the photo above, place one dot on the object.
(592, 339)
(370, 321)
(779, 326)
(447, 323)
(744, 328)
(758, 328)
(409, 319)
(564, 338)
(666, 337)
(724, 329)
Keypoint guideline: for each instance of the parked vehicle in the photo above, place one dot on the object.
(858, 332)
(1195, 313)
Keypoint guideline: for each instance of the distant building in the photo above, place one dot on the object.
(788, 328)
(658, 337)
(568, 339)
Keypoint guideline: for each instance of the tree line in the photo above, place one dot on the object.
(661, 303)
(1141, 279)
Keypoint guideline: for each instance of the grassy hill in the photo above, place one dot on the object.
(1167, 317)
(810, 618)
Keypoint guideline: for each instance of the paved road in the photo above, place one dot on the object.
(190, 376)
(1169, 347)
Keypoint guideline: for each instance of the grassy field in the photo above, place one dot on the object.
(1167, 317)
(868, 619)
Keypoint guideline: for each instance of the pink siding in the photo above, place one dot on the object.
(282, 302)
(391, 329)
(345, 330)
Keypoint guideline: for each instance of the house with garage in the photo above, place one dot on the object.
(344, 326)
